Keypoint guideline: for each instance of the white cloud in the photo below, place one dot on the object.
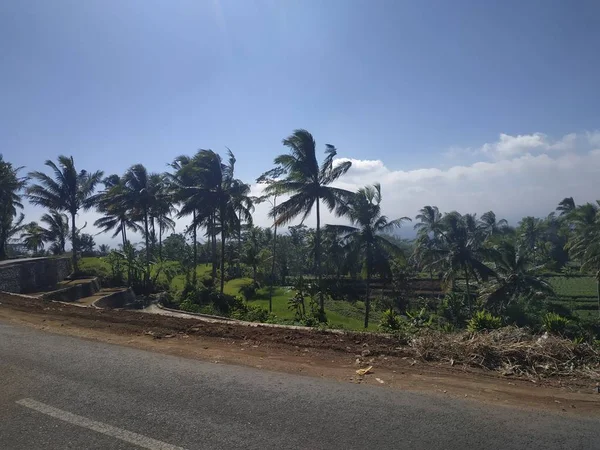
(515, 176)
(593, 138)
(532, 176)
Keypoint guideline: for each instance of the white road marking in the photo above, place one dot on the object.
(124, 435)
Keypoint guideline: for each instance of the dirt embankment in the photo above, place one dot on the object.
(310, 352)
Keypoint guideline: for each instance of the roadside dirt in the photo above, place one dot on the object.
(311, 353)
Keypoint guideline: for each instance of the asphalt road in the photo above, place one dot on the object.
(60, 392)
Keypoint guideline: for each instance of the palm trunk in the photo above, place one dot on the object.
(123, 235)
(318, 262)
(74, 243)
(222, 257)
(160, 233)
(213, 237)
(368, 288)
(273, 264)
(239, 269)
(195, 244)
(468, 287)
(147, 276)
(125, 250)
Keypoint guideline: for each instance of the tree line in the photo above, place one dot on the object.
(490, 261)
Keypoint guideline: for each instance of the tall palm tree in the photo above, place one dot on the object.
(566, 206)
(182, 185)
(243, 204)
(428, 234)
(216, 197)
(530, 234)
(514, 278)
(490, 225)
(139, 196)
(459, 250)
(364, 240)
(308, 184)
(69, 191)
(11, 185)
(585, 246)
(268, 178)
(162, 208)
(57, 230)
(429, 218)
(113, 205)
(33, 237)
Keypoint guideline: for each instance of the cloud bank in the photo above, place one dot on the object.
(514, 176)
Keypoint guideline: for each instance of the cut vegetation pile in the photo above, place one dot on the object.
(512, 351)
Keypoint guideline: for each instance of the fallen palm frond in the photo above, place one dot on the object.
(511, 351)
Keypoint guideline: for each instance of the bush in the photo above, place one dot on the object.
(390, 321)
(248, 290)
(484, 320)
(189, 306)
(454, 308)
(420, 318)
(554, 323)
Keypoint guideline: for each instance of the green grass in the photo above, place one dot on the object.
(94, 264)
(339, 313)
(574, 286)
(179, 281)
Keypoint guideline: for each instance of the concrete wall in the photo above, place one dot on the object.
(117, 299)
(81, 289)
(33, 274)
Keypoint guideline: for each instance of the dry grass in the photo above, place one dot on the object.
(511, 351)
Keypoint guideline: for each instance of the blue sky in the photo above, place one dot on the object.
(407, 86)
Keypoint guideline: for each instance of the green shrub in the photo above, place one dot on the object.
(420, 318)
(484, 320)
(454, 308)
(390, 321)
(248, 290)
(554, 323)
(189, 306)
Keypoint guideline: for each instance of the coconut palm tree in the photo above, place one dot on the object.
(459, 250)
(139, 196)
(243, 204)
(515, 278)
(113, 205)
(181, 185)
(365, 240)
(308, 184)
(585, 245)
(162, 208)
(530, 233)
(57, 230)
(490, 225)
(215, 197)
(11, 186)
(429, 218)
(33, 237)
(566, 206)
(268, 178)
(70, 191)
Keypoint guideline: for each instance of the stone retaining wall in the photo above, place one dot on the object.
(33, 274)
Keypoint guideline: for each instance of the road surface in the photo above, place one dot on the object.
(62, 392)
